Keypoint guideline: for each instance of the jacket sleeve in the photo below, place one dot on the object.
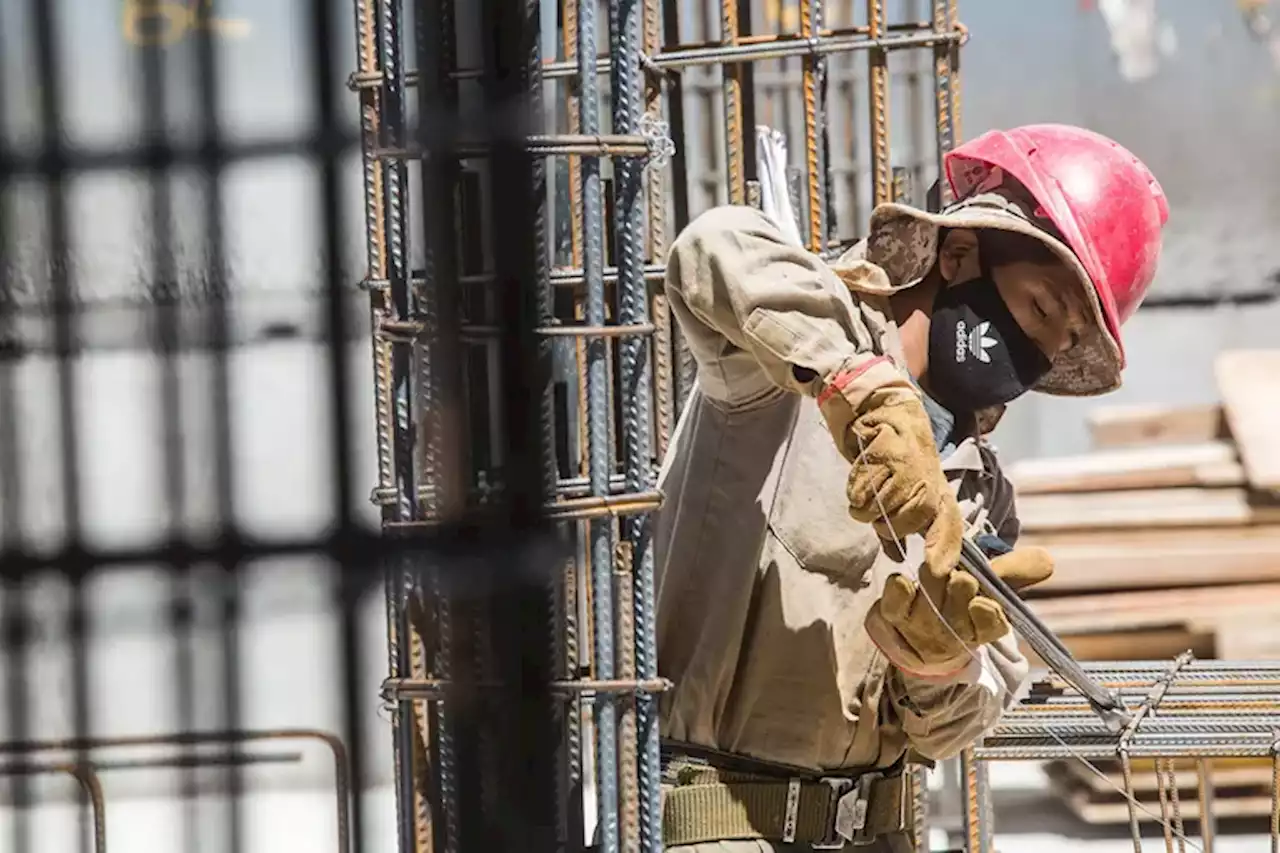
(941, 719)
(759, 314)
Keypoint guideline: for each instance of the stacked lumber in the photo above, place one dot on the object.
(1170, 526)
(1166, 538)
(1237, 788)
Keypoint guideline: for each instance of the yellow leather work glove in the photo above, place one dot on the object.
(897, 483)
(905, 622)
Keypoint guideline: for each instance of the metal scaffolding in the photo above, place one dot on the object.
(566, 196)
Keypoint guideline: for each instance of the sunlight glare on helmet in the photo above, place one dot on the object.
(1079, 182)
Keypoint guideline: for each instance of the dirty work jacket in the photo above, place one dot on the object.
(763, 580)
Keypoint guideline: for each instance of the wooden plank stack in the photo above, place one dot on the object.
(1166, 538)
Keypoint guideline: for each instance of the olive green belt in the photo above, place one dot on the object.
(702, 804)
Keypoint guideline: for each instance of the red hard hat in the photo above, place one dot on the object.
(1104, 204)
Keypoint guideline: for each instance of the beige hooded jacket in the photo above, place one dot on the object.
(763, 580)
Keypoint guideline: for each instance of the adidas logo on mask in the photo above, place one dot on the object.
(973, 342)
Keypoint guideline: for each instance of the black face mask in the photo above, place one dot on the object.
(978, 354)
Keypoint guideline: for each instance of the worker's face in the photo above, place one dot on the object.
(1043, 297)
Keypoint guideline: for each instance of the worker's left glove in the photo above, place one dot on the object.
(932, 628)
(896, 482)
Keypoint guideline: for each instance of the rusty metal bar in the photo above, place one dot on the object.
(1275, 798)
(628, 766)
(745, 49)
(733, 132)
(547, 145)
(977, 798)
(878, 87)
(561, 277)
(576, 631)
(408, 332)
(88, 779)
(341, 773)
(596, 405)
(954, 26)
(1205, 791)
(567, 331)
(656, 195)
(570, 487)
(433, 689)
(575, 509)
(915, 184)
(811, 22)
(943, 95)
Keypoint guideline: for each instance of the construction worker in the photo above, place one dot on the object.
(810, 610)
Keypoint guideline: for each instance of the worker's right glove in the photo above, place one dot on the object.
(896, 483)
(930, 629)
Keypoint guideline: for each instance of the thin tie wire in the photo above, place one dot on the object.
(984, 664)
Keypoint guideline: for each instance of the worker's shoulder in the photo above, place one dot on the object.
(716, 224)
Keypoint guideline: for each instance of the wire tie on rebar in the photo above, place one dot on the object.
(661, 146)
(1154, 696)
(653, 69)
(964, 34)
(1165, 682)
(401, 331)
(363, 79)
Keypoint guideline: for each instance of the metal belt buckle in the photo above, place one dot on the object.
(862, 808)
(850, 818)
(849, 823)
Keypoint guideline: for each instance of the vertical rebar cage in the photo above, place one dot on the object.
(522, 181)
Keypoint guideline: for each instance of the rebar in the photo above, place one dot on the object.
(943, 82)
(585, 313)
(664, 380)
(628, 770)
(743, 50)
(384, 21)
(1188, 713)
(814, 120)
(87, 778)
(544, 145)
(599, 443)
(977, 798)
(1208, 822)
(920, 810)
(733, 131)
(1047, 644)
(636, 380)
(86, 745)
(878, 87)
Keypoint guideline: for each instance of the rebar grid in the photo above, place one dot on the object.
(612, 372)
(1188, 715)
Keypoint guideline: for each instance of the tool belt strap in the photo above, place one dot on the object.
(825, 813)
